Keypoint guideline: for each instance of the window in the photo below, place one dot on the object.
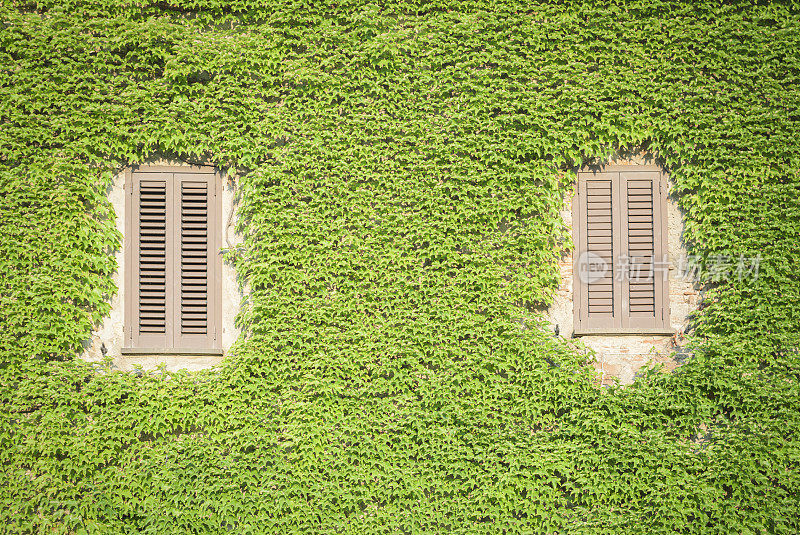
(620, 265)
(172, 262)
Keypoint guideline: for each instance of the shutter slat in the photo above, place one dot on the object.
(152, 305)
(599, 242)
(194, 258)
(640, 244)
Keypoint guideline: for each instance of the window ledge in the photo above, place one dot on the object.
(623, 332)
(176, 351)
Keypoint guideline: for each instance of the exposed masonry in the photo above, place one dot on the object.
(107, 339)
(621, 356)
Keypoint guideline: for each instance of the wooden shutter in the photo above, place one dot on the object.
(148, 313)
(173, 285)
(599, 244)
(620, 277)
(194, 259)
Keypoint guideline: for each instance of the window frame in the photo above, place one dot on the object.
(132, 344)
(622, 322)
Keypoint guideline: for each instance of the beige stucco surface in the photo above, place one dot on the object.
(622, 356)
(107, 338)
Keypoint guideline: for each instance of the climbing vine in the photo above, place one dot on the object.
(400, 168)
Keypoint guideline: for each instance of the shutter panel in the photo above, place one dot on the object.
(619, 219)
(644, 281)
(148, 312)
(597, 298)
(172, 250)
(195, 261)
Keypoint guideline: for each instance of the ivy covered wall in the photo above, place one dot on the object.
(401, 168)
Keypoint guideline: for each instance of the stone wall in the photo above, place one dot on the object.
(107, 339)
(621, 356)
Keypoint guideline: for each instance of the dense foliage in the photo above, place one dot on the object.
(401, 168)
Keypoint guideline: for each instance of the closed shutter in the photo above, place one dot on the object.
(194, 261)
(172, 252)
(600, 249)
(643, 221)
(151, 320)
(620, 282)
